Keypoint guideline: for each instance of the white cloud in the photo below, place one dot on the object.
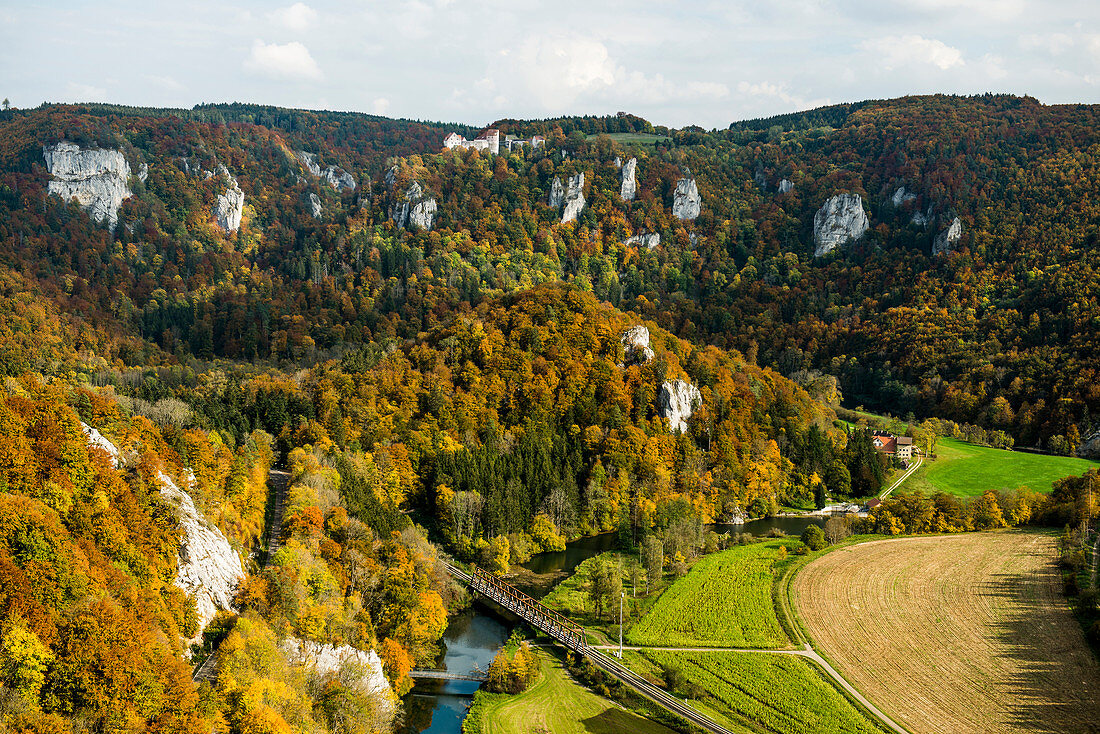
(287, 61)
(901, 51)
(297, 17)
(1053, 43)
(165, 82)
(380, 106)
(86, 92)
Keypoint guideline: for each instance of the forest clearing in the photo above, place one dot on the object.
(962, 633)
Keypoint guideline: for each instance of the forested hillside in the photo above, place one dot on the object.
(998, 331)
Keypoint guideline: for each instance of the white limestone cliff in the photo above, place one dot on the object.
(416, 210)
(946, 239)
(143, 172)
(391, 178)
(334, 176)
(676, 402)
(208, 567)
(323, 659)
(922, 219)
(97, 178)
(649, 241)
(635, 341)
(840, 220)
(785, 185)
(315, 207)
(229, 206)
(574, 198)
(901, 196)
(557, 194)
(629, 186)
(685, 201)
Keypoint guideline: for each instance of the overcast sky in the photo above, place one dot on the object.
(674, 63)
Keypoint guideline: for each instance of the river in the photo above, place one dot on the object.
(475, 635)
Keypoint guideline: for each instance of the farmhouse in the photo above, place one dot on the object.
(490, 141)
(888, 443)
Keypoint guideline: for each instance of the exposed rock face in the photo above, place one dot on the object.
(99, 441)
(574, 198)
(417, 210)
(841, 219)
(636, 345)
(334, 176)
(143, 172)
(901, 196)
(785, 186)
(557, 194)
(686, 201)
(922, 219)
(315, 207)
(946, 239)
(328, 659)
(676, 402)
(650, 241)
(1090, 447)
(209, 569)
(422, 215)
(97, 178)
(630, 186)
(391, 178)
(230, 205)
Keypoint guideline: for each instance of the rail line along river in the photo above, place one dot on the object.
(475, 635)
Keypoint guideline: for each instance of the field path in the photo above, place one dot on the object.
(962, 633)
(908, 473)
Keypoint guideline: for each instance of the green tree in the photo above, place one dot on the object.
(814, 537)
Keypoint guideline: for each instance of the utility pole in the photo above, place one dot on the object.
(622, 595)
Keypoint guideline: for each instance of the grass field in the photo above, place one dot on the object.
(960, 633)
(966, 470)
(571, 598)
(759, 691)
(554, 704)
(725, 600)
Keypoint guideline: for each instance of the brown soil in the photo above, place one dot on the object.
(961, 633)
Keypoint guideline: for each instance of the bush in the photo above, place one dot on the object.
(814, 538)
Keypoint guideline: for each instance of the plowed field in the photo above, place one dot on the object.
(960, 633)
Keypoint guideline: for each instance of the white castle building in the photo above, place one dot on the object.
(490, 141)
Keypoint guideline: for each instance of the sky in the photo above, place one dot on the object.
(674, 63)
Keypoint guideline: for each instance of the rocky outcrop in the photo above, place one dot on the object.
(629, 186)
(649, 241)
(209, 568)
(97, 178)
(676, 402)
(685, 200)
(1090, 446)
(635, 342)
(946, 239)
(840, 220)
(323, 659)
(229, 206)
(416, 211)
(922, 219)
(143, 172)
(901, 196)
(315, 207)
(784, 186)
(391, 178)
(557, 194)
(574, 198)
(334, 176)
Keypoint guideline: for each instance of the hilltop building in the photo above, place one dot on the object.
(490, 141)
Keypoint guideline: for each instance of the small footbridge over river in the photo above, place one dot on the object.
(571, 636)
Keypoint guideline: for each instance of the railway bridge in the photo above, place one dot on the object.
(571, 636)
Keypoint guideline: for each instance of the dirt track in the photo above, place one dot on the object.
(962, 633)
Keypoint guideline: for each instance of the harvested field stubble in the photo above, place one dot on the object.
(960, 633)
